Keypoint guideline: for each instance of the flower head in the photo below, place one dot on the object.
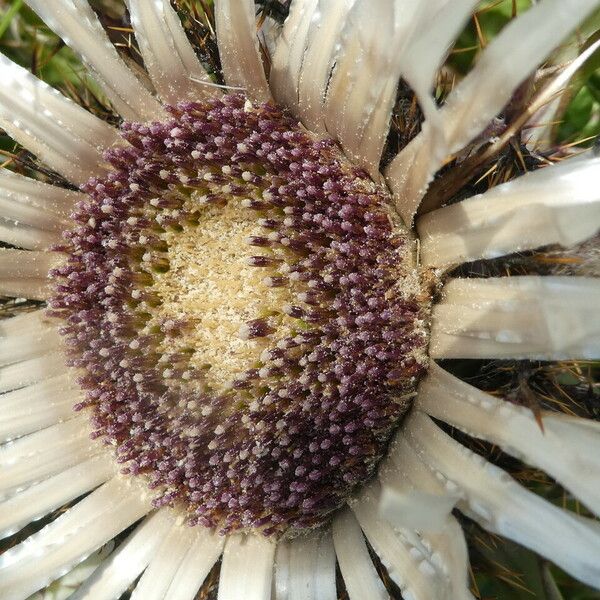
(238, 353)
(243, 306)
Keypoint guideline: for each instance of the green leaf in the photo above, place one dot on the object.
(8, 16)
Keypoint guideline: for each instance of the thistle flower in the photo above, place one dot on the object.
(238, 355)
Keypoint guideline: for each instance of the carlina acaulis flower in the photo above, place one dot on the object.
(237, 357)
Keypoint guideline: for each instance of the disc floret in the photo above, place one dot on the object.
(243, 307)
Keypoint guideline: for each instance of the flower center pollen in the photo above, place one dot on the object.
(215, 286)
(242, 305)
